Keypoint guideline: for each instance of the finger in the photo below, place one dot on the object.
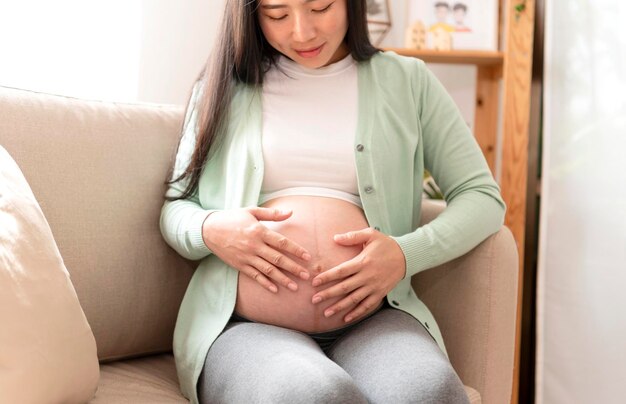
(351, 300)
(364, 307)
(259, 277)
(340, 272)
(282, 262)
(354, 237)
(269, 214)
(340, 289)
(282, 243)
(271, 272)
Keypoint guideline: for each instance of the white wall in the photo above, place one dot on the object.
(177, 37)
(117, 50)
(86, 49)
(581, 341)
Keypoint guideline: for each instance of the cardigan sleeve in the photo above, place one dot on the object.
(475, 209)
(181, 220)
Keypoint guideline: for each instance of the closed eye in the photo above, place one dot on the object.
(277, 18)
(323, 10)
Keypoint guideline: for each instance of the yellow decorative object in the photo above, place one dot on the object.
(441, 39)
(415, 36)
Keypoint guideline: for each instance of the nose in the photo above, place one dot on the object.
(303, 29)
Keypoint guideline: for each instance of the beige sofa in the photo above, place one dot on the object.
(98, 169)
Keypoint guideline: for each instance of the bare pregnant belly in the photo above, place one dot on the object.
(314, 222)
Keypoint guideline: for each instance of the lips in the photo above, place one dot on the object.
(310, 53)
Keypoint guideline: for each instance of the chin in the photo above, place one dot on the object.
(315, 63)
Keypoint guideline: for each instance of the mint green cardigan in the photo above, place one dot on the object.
(406, 122)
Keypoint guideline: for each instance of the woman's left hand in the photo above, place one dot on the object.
(365, 279)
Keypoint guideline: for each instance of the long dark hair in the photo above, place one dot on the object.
(242, 54)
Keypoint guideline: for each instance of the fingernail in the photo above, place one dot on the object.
(284, 212)
(348, 319)
(329, 313)
(306, 256)
(317, 282)
(304, 275)
(292, 286)
(273, 288)
(316, 299)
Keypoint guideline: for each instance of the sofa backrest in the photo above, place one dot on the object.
(98, 169)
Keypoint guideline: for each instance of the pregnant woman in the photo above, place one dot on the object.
(297, 184)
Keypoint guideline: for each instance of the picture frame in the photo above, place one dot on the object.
(456, 24)
(378, 20)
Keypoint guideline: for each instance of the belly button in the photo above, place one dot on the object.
(317, 268)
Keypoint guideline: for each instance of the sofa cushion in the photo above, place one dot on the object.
(48, 352)
(98, 170)
(146, 380)
(153, 379)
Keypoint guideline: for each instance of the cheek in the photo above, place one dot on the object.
(338, 26)
(266, 29)
(270, 34)
(340, 23)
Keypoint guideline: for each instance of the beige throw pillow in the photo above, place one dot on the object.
(47, 350)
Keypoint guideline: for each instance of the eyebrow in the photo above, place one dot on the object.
(276, 6)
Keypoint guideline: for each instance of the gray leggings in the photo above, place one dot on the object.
(386, 358)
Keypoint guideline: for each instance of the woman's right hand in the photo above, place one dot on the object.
(241, 241)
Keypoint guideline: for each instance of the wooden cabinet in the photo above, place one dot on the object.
(503, 106)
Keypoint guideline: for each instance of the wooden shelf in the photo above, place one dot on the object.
(478, 58)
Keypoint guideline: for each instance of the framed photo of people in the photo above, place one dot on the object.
(454, 24)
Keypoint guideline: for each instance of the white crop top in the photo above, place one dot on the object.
(309, 125)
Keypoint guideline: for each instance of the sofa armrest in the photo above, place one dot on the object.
(474, 300)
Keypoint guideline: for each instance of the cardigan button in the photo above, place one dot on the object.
(369, 189)
(360, 147)
(377, 228)
(395, 303)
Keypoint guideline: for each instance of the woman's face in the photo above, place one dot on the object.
(310, 32)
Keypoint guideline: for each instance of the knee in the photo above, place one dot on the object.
(444, 387)
(336, 387)
(315, 384)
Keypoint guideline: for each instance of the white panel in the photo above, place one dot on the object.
(87, 49)
(177, 39)
(117, 50)
(581, 320)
